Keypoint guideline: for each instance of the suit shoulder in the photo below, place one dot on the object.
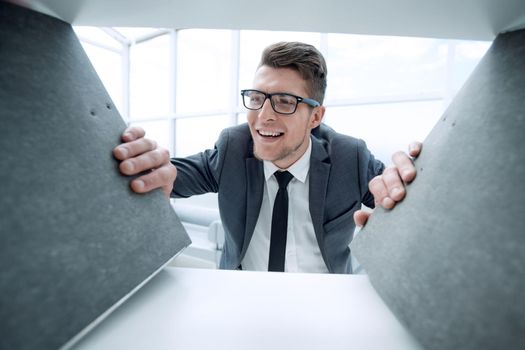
(235, 134)
(335, 141)
(237, 139)
(238, 133)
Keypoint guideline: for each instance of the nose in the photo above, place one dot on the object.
(266, 112)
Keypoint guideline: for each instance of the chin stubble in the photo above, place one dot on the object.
(285, 153)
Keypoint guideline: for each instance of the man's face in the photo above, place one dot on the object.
(282, 139)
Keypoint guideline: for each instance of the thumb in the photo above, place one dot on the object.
(361, 217)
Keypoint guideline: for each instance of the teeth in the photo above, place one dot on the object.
(269, 133)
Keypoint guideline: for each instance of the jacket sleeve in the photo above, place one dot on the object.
(200, 173)
(369, 167)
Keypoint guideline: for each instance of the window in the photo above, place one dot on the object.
(182, 86)
(150, 78)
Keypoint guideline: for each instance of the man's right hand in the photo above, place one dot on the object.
(138, 154)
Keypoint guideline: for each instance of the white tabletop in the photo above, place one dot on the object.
(184, 308)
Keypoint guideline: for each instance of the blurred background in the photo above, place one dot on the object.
(183, 87)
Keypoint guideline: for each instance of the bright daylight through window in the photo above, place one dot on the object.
(183, 86)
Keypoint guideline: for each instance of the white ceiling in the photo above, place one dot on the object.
(459, 19)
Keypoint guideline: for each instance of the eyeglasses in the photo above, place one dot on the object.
(281, 103)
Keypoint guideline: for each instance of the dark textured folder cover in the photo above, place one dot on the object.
(74, 240)
(450, 259)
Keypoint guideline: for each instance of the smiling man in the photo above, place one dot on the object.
(277, 136)
(289, 187)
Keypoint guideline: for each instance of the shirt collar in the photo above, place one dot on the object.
(299, 169)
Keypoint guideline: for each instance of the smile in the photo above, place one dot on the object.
(266, 133)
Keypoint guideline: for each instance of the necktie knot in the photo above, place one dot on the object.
(283, 178)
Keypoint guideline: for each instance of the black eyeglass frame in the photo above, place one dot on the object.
(309, 101)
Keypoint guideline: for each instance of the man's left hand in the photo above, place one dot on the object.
(389, 188)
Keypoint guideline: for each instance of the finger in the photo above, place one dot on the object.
(393, 183)
(361, 217)
(404, 165)
(162, 177)
(133, 133)
(414, 149)
(133, 148)
(146, 161)
(378, 189)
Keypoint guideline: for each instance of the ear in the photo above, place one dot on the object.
(316, 117)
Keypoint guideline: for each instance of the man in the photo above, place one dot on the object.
(331, 172)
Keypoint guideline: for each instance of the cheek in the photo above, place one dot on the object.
(251, 120)
(299, 128)
(251, 117)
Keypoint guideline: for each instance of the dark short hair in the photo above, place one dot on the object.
(305, 59)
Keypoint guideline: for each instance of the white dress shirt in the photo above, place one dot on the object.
(302, 250)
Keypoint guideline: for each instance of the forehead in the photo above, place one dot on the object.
(288, 80)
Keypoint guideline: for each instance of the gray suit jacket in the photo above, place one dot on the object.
(340, 169)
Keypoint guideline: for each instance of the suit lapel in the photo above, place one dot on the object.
(254, 196)
(319, 173)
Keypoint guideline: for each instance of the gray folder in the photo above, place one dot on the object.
(75, 241)
(450, 259)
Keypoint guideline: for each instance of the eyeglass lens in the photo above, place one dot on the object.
(281, 103)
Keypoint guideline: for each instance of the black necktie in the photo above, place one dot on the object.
(279, 223)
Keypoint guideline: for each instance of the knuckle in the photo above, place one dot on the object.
(160, 177)
(165, 153)
(377, 178)
(156, 157)
(159, 157)
(163, 175)
(375, 182)
(152, 179)
(389, 169)
(398, 154)
(150, 144)
(378, 190)
(399, 157)
(173, 172)
(389, 173)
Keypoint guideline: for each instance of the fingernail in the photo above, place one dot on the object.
(127, 136)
